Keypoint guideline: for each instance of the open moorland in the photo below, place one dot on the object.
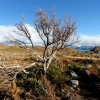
(72, 75)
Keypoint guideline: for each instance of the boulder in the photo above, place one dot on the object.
(96, 49)
(72, 74)
(74, 83)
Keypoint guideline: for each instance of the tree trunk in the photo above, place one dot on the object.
(47, 62)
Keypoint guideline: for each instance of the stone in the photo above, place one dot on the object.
(74, 83)
(87, 72)
(72, 74)
(89, 66)
(69, 65)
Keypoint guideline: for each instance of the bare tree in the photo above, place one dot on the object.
(55, 35)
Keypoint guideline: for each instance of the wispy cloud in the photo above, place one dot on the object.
(84, 39)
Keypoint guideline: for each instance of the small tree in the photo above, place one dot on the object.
(55, 35)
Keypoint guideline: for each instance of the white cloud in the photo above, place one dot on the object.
(89, 40)
(35, 37)
(8, 30)
(84, 39)
(4, 30)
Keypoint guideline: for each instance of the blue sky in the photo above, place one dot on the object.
(86, 13)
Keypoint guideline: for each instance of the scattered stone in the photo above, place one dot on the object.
(72, 89)
(87, 72)
(69, 65)
(74, 83)
(89, 66)
(72, 74)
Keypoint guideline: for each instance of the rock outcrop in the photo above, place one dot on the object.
(96, 49)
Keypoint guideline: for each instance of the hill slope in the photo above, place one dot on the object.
(96, 49)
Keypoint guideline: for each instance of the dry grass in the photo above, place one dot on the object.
(49, 87)
(17, 56)
(14, 55)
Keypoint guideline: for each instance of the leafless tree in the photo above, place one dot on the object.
(55, 34)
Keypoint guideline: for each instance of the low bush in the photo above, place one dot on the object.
(57, 79)
(30, 80)
(87, 61)
(55, 75)
(77, 68)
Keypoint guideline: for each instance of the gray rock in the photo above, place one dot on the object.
(72, 74)
(74, 83)
(87, 72)
(69, 65)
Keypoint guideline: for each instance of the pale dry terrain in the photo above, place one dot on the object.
(14, 55)
(11, 56)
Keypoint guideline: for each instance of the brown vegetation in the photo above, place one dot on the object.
(50, 83)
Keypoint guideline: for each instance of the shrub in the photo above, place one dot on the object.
(87, 61)
(23, 79)
(75, 67)
(79, 70)
(55, 75)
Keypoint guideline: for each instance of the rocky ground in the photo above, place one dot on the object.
(72, 76)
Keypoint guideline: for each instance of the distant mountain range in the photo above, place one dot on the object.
(83, 48)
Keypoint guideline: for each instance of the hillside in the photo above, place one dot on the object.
(2, 46)
(96, 49)
(68, 78)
